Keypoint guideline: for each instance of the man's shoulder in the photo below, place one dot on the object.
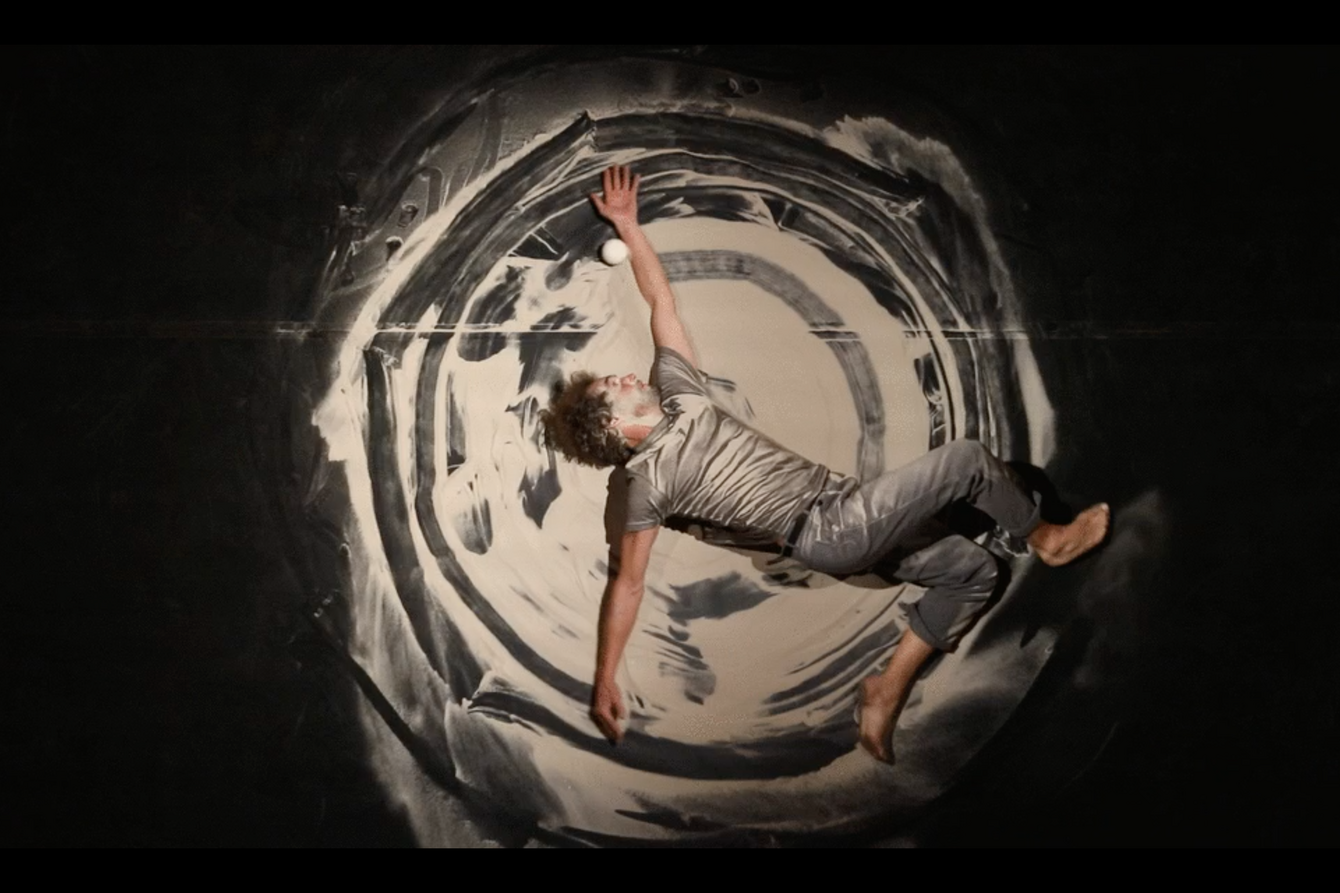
(673, 375)
(671, 355)
(645, 502)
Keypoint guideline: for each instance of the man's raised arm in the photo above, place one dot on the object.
(618, 205)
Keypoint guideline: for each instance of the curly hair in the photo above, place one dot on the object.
(577, 424)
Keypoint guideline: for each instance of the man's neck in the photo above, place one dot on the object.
(637, 431)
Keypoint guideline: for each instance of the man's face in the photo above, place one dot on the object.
(630, 398)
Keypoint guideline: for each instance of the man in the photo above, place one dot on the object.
(687, 458)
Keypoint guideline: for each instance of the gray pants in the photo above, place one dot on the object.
(891, 521)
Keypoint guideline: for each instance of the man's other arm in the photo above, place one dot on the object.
(618, 205)
(618, 613)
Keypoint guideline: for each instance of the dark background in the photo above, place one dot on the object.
(1171, 216)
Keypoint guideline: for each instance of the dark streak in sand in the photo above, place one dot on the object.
(839, 674)
(495, 307)
(713, 598)
(475, 525)
(538, 489)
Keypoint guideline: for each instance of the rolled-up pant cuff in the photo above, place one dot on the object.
(945, 640)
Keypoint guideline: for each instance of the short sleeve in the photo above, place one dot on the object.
(646, 504)
(675, 376)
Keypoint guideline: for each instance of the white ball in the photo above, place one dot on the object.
(614, 252)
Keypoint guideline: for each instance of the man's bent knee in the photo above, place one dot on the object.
(983, 576)
(948, 610)
(968, 453)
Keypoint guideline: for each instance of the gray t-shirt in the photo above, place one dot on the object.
(700, 462)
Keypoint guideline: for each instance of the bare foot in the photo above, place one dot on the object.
(876, 710)
(1058, 544)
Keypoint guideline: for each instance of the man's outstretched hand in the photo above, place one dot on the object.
(618, 204)
(608, 711)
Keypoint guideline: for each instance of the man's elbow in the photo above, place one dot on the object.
(626, 589)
